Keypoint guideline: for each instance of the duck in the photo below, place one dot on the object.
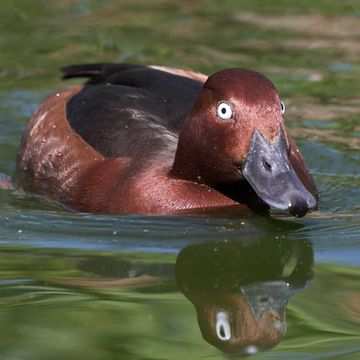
(156, 140)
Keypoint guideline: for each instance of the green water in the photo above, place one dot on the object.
(114, 287)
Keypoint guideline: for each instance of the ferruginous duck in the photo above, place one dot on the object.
(154, 140)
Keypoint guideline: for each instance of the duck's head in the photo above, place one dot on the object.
(236, 133)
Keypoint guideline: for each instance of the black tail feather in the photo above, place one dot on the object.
(96, 73)
(84, 70)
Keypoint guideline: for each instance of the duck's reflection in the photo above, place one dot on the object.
(240, 289)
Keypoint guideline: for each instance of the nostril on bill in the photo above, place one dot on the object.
(266, 165)
(298, 206)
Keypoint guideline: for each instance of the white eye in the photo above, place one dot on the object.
(224, 111)
(222, 325)
(282, 107)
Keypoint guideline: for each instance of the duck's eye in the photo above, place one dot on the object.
(282, 107)
(224, 111)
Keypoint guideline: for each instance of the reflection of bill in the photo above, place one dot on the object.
(240, 289)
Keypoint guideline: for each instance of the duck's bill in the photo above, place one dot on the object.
(268, 169)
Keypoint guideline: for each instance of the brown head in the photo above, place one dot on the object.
(230, 325)
(236, 133)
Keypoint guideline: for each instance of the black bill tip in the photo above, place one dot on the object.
(298, 206)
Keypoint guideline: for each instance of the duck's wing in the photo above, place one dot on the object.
(125, 110)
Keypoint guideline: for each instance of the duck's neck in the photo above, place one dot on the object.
(186, 162)
(189, 162)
